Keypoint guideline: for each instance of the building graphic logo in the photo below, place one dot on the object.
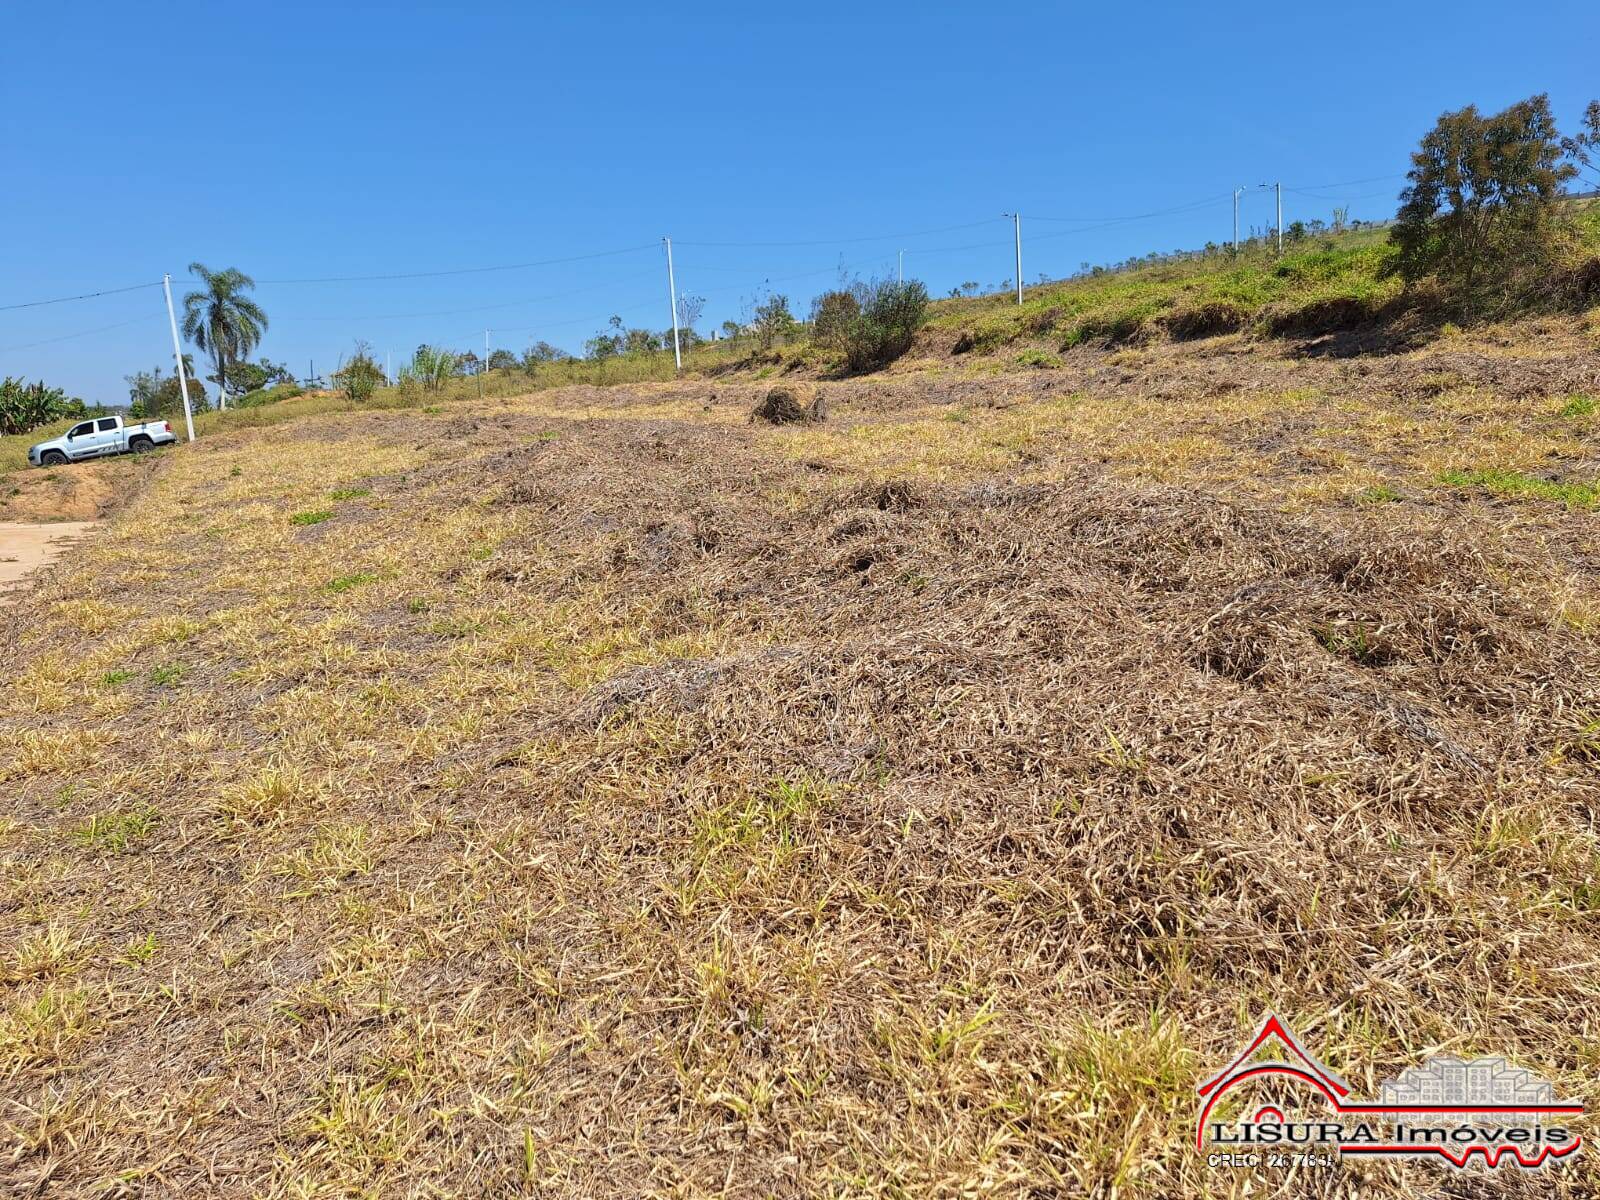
(1449, 1110)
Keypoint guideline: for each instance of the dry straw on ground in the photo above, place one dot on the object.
(618, 798)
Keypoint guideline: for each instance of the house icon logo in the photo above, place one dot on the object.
(1448, 1110)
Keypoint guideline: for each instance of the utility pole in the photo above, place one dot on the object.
(1016, 221)
(483, 367)
(1279, 186)
(1237, 192)
(672, 294)
(388, 379)
(902, 276)
(177, 354)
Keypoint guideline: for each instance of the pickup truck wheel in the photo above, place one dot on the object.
(139, 445)
(53, 458)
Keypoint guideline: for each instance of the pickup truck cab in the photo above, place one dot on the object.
(100, 438)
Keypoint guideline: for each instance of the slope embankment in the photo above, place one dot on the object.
(600, 794)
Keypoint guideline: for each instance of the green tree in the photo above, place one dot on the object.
(142, 387)
(540, 352)
(773, 323)
(502, 360)
(168, 399)
(641, 341)
(1480, 212)
(605, 345)
(222, 321)
(1584, 149)
(246, 377)
(154, 393)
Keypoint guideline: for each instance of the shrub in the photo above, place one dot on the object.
(359, 377)
(831, 316)
(887, 323)
(272, 395)
(430, 366)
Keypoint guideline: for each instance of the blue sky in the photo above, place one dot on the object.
(307, 141)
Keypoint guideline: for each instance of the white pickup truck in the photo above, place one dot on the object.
(100, 438)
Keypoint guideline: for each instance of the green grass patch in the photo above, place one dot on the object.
(166, 676)
(1578, 406)
(775, 815)
(1514, 485)
(118, 831)
(1355, 642)
(349, 493)
(346, 582)
(314, 516)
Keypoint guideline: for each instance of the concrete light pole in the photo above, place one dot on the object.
(1016, 222)
(672, 295)
(177, 354)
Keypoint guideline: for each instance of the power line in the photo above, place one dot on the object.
(67, 337)
(1321, 196)
(1191, 206)
(1084, 224)
(450, 312)
(1318, 187)
(547, 262)
(881, 237)
(954, 249)
(86, 296)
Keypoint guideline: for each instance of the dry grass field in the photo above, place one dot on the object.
(599, 794)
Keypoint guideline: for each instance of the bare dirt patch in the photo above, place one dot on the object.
(25, 549)
(76, 492)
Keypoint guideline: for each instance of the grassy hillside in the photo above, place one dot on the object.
(1326, 285)
(597, 794)
(1309, 290)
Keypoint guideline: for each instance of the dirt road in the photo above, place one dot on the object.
(26, 548)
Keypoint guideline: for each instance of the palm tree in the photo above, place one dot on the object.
(221, 321)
